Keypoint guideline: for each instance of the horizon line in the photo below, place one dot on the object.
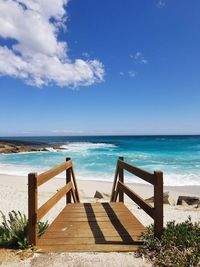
(99, 135)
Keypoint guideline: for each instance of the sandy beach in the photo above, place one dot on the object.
(14, 196)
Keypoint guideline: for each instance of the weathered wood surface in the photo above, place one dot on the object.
(70, 190)
(46, 176)
(93, 227)
(75, 185)
(156, 179)
(148, 177)
(137, 199)
(32, 208)
(53, 200)
(158, 204)
(121, 179)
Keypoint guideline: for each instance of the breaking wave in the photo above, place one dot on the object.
(82, 146)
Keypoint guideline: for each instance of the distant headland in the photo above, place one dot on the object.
(13, 146)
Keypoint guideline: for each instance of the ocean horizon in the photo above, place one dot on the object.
(95, 157)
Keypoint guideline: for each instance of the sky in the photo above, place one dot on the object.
(125, 67)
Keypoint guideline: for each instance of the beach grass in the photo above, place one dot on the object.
(178, 247)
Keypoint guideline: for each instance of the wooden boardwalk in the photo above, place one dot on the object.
(99, 227)
(93, 227)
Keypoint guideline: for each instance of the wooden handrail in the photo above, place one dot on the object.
(34, 181)
(46, 176)
(53, 200)
(156, 179)
(148, 177)
(137, 199)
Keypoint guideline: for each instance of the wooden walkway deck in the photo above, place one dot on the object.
(93, 227)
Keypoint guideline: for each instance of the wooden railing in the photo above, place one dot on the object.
(70, 190)
(156, 179)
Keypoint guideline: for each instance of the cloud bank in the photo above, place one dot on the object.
(32, 50)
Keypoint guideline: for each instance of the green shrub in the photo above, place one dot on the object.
(178, 247)
(14, 231)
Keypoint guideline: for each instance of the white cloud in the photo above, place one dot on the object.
(66, 132)
(27, 132)
(132, 73)
(121, 73)
(160, 4)
(36, 55)
(139, 58)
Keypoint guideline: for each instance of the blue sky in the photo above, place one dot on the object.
(99, 67)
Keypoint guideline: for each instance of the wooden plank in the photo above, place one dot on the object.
(95, 219)
(95, 206)
(32, 209)
(99, 211)
(158, 204)
(83, 214)
(87, 232)
(45, 176)
(72, 231)
(88, 248)
(148, 177)
(107, 232)
(53, 200)
(96, 211)
(89, 240)
(103, 224)
(64, 225)
(137, 199)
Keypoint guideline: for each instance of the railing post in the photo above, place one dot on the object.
(114, 187)
(68, 179)
(121, 178)
(32, 209)
(158, 204)
(75, 185)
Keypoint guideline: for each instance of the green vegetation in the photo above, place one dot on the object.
(14, 230)
(178, 247)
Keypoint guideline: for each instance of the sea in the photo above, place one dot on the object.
(95, 157)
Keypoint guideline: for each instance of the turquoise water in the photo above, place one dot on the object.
(95, 157)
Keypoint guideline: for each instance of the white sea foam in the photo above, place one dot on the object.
(15, 169)
(170, 179)
(23, 153)
(51, 149)
(175, 179)
(82, 146)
